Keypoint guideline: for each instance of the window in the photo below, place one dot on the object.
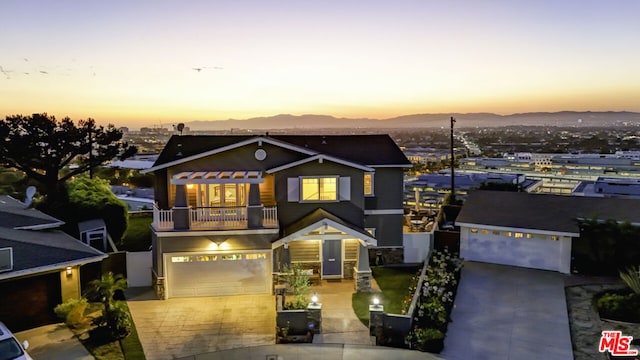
(508, 233)
(555, 237)
(474, 230)
(484, 232)
(529, 236)
(255, 256)
(368, 184)
(320, 189)
(231, 257)
(518, 235)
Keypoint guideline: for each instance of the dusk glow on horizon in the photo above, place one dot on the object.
(143, 63)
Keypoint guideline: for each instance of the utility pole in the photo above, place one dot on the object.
(453, 185)
(90, 151)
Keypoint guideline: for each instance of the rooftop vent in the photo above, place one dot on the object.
(6, 259)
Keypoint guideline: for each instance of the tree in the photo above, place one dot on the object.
(114, 315)
(43, 148)
(90, 199)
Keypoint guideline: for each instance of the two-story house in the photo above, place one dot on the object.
(232, 210)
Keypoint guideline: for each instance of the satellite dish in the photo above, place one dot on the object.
(31, 190)
(180, 127)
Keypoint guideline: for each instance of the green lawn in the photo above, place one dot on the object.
(394, 283)
(138, 234)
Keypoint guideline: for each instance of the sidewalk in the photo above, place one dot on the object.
(53, 342)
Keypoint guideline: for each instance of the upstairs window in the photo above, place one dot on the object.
(320, 189)
(368, 184)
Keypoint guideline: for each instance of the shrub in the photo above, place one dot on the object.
(299, 285)
(72, 312)
(631, 276)
(621, 306)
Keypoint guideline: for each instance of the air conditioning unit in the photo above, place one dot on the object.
(6, 259)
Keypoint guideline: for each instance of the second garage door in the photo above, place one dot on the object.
(213, 274)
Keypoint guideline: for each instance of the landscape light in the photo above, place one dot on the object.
(376, 301)
(314, 299)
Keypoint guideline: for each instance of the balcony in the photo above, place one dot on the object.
(214, 218)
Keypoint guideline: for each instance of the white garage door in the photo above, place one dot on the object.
(535, 253)
(212, 274)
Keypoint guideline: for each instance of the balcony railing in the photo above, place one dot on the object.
(218, 218)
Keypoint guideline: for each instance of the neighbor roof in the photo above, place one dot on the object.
(36, 246)
(16, 215)
(543, 211)
(352, 148)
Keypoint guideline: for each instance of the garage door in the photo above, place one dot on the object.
(535, 253)
(29, 302)
(213, 274)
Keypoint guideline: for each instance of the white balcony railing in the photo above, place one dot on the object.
(218, 218)
(162, 219)
(214, 218)
(270, 217)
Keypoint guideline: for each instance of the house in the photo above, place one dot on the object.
(532, 230)
(39, 265)
(234, 210)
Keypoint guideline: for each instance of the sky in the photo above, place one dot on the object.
(152, 62)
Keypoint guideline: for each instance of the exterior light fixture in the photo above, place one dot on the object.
(314, 299)
(376, 301)
(69, 270)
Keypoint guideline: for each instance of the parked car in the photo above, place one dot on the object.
(10, 348)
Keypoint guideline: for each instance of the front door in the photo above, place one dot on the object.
(332, 258)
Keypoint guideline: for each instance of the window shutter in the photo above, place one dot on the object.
(345, 188)
(293, 189)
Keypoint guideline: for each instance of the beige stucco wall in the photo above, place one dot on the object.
(70, 284)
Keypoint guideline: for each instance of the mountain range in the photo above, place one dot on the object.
(309, 121)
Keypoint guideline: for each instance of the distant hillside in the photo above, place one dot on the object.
(563, 118)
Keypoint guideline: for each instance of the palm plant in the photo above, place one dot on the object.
(631, 276)
(113, 316)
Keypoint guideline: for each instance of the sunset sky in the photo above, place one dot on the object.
(141, 63)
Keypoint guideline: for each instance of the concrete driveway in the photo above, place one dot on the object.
(175, 328)
(504, 312)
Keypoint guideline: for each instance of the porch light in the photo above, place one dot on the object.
(314, 299)
(69, 270)
(189, 186)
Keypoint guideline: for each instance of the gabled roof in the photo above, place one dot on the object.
(36, 246)
(544, 212)
(45, 250)
(355, 149)
(14, 214)
(321, 217)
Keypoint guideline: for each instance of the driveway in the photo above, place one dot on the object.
(504, 312)
(177, 328)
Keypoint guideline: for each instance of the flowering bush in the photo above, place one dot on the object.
(436, 298)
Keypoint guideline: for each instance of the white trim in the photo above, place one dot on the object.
(50, 268)
(320, 158)
(171, 233)
(515, 229)
(216, 177)
(301, 234)
(384, 212)
(258, 139)
(40, 226)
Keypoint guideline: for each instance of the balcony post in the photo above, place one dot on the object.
(180, 209)
(254, 208)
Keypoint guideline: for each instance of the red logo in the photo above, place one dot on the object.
(616, 343)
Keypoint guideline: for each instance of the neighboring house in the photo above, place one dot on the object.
(532, 230)
(39, 265)
(232, 210)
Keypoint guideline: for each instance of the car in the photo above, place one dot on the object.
(10, 348)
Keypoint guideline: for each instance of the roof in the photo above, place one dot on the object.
(36, 245)
(543, 211)
(14, 214)
(352, 148)
(320, 217)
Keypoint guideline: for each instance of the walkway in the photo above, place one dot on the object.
(53, 342)
(340, 325)
(504, 312)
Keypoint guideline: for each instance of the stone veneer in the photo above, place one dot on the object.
(362, 280)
